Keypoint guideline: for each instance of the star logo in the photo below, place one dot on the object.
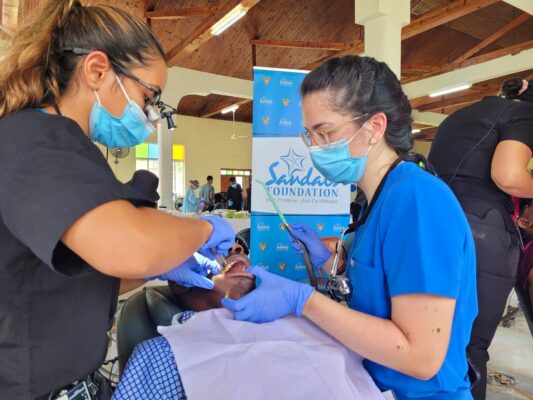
(282, 265)
(282, 227)
(266, 79)
(285, 101)
(294, 162)
(320, 227)
(263, 246)
(266, 120)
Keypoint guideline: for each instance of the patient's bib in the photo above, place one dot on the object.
(291, 358)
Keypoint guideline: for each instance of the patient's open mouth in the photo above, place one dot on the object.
(236, 265)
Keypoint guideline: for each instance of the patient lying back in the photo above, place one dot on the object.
(233, 282)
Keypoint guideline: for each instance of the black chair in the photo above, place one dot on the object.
(139, 318)
(244, 236)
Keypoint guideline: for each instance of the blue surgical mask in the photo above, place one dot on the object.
(336, 163)
(128, 130)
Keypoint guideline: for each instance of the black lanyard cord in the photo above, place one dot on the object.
(360, 221)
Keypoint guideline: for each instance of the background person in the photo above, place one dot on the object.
(207, 192)
(482, 152)
(76, 74)
(412, 269)
(190, 202)
(234, 195)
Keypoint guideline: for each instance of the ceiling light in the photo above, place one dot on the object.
(231, 108)
(229, 19)
(416, 130)
(451, 89)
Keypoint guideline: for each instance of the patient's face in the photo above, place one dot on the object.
(233, 282)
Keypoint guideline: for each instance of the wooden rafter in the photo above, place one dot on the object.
(494, 37)
(178, 13)
(216, 108)
(426, 134)
(418, 68)
(148, 5)
(425, 22)
(254, 56)
(442, 15)
(300, 44)
(475, 60)
(203, 32)
(357, 48)
(456, 101)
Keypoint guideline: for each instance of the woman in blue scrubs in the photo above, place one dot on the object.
(412, 263)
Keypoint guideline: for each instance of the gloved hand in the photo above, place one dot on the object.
(193, 272)
(273, 298)
(222, 237)
(318, 253)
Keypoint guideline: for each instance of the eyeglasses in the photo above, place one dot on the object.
(322, 137)
(149, 102)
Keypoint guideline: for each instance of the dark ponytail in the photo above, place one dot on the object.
(37, 70)
(362, 85)
(514, 89)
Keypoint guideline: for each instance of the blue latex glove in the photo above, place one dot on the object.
(318, 253)
(193, 272)
(273, 298)
(222, 237)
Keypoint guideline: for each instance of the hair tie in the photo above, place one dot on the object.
(525, 84)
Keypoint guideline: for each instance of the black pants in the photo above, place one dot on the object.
(497, 254)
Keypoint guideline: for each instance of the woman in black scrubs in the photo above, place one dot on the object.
(482, 151)
(68, 229)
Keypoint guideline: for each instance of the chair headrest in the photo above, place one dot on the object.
(161, 308)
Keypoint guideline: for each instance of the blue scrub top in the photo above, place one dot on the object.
(417, 240)
(190, 202)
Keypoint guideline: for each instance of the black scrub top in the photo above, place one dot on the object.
(464, 130)
(55, 309)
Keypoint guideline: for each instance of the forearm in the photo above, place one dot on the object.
(127, 285)
(518, 184)
(120, 240)
(379, 340)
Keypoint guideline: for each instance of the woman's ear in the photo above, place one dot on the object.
(94, 69)
(377, 124)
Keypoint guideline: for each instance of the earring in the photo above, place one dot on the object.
(372, 140)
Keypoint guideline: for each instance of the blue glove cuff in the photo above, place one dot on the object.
(303, 295)
(320, 259)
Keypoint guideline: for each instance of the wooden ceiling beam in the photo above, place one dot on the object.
(203, 32)
(426, 134)
(442, 15)
(456, 101)
(357, 48)
(216, 108)
(494, 37)
(179, 13)
(300, 44)
(418, 68)
(148, 5)
(511, 50)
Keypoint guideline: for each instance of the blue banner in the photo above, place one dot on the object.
(277, 103)
(281, 160)
(271, 248)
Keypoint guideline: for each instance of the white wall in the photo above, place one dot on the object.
(208, 148)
